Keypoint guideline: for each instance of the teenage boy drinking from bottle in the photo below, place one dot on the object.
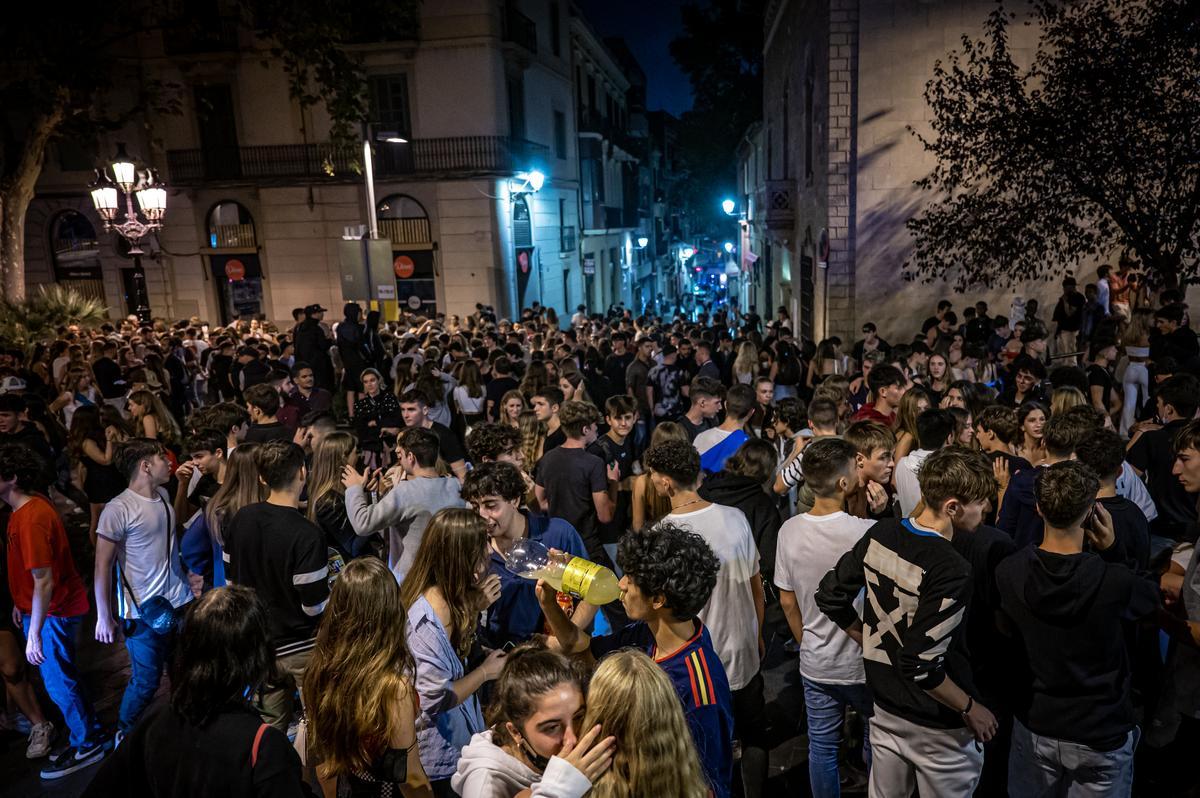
(496, 490)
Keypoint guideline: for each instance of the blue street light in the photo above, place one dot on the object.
(533, 181)
(729, 247)
(728, 205)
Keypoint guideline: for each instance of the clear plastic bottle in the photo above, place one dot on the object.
(582, 578)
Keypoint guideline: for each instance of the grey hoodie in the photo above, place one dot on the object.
(405, 510)
(485, 770)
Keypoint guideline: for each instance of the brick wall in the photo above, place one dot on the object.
(843, 108)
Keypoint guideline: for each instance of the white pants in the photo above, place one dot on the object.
(940, 763)
(1136, 378)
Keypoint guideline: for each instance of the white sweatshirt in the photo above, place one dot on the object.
(486, 770)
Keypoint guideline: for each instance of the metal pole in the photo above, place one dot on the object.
(372, 222)
(141, 301)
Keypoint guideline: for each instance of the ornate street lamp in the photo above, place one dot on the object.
(151, 197)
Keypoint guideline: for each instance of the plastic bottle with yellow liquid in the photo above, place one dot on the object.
(566, 573)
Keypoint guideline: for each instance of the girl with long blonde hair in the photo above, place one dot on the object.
(745, 365)
(647, 504)
(631, 698)
(152, 419)
(1064, 398)
(512, 405)
(327, 494)
(1135, 382)
(533, 436)
(446, 589)
(359, 684)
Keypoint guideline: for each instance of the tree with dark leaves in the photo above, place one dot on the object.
(1091, 150)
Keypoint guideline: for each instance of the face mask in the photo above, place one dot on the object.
(538, 761)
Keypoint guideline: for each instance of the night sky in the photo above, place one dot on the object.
(647, 26)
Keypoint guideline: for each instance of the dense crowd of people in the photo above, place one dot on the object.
(977, 542)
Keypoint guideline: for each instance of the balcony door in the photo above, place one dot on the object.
(218, 131)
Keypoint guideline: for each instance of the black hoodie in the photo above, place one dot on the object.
(1067, 610)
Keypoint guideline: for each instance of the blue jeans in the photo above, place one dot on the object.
(826, 705)
(1040, 766)
(60, 676)
(148, 654)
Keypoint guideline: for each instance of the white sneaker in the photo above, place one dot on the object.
(39, 740)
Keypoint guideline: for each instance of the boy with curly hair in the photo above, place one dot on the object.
(669, 574)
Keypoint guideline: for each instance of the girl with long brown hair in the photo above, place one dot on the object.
(648, 505)
(240, 487)
(536, 378)
(534, 735)
(327, 494)
(362, 700)
(914, 402)
(631, 698)
(468, 394)
(91, 445)
(152, 419)
(446, 589)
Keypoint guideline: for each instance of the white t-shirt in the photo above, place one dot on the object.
(147, 551)
(729, 613)
(809, 547)
(908, 490)
(470, 405)
(710, 438)
(59, 367)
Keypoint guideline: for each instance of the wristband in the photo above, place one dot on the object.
(969, 707)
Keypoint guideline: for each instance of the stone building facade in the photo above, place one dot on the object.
(264, 213)
(827, 177)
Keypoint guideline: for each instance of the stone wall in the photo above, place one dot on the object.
(899, 41)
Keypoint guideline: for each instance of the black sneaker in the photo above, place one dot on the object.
(73, 759)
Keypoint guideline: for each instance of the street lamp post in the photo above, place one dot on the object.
(152, 202)
(370, 136)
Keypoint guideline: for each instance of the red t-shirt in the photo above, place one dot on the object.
(38, 539)
(868, 413)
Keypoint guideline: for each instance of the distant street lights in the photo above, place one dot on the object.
(728, 247)
(152, 202)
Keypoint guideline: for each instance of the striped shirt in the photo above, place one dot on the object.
(283, 556)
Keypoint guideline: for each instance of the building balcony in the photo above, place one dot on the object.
(600, 219)
(461, 156)
(237, 236)
(519, 29)
(406, 231)
(595, 123)
(779, 209)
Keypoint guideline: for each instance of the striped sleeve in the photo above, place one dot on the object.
(703, 693)
(793, 471)
(310, 573)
